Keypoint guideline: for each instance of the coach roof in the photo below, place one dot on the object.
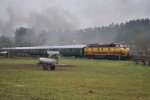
(48, 47)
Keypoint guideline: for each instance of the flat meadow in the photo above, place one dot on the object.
(83, 79)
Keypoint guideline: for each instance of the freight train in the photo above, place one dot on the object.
(106, 50)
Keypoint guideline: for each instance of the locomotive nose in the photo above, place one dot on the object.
(125, 51)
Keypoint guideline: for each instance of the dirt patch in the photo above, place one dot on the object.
(21, 66)
(60, 67)
(64, 67)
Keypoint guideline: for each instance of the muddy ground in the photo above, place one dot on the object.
(61, 67)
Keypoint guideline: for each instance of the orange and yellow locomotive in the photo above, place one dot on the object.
(112, 50)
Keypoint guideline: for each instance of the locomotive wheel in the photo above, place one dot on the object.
(53, 67)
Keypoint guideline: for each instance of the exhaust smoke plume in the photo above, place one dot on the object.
(54, 22)
(50, 24)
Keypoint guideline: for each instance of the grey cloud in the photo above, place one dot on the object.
(89, 12)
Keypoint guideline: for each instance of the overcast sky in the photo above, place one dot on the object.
(86, 13)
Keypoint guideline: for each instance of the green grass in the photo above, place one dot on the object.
(90, 80)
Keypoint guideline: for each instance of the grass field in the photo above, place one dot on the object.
(88, 80)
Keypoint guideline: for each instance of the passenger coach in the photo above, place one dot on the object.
(69, 50)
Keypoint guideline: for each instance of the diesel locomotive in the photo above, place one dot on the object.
(112, 50)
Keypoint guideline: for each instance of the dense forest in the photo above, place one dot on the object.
(135, 33)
